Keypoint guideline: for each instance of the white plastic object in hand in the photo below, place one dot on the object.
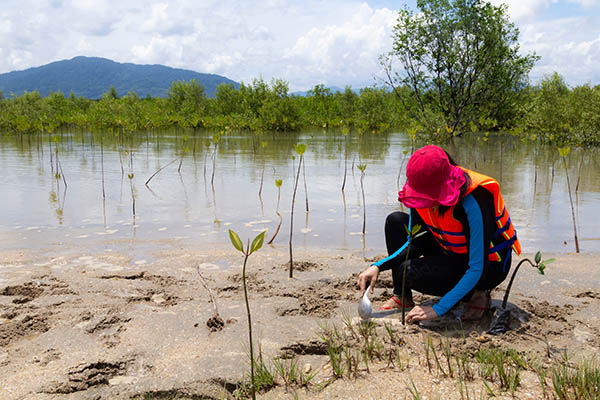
(364, 308)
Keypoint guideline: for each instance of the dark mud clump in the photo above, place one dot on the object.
(215, 323)
(304, 266)
(317, 304)
(86, 376)
(15, 329)
(311, 347)
(157, 297)
(27, 290)
(545, 310)
(31, 290)
(588, 294)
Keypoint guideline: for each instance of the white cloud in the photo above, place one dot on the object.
(522, 9)
(345, 53)
(336, 42)
(573, 53)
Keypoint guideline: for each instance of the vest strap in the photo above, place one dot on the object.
(502, 230)
(504, 244)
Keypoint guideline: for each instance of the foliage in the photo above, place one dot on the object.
(549, 112)
(461, 61)
(555, 113)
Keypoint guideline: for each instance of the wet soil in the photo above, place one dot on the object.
(99, 327)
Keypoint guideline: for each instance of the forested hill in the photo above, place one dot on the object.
(92, 76)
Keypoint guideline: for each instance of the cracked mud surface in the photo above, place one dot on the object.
(94, 329)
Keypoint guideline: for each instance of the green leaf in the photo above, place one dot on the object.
(257, 242)
(541, 268)
(130, 176)
(300, 148)
(236, 241)
(362, 167)
(538, 257)
(564, 151)
(278, 182)
(550, 260)
(415, 229)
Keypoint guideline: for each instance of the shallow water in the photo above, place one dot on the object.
(180, 208)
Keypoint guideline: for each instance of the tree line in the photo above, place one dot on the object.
(550, 111)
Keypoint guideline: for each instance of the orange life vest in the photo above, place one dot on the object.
(450, 234)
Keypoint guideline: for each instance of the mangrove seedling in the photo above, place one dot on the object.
(263, 144)
(564, 151)
(305, 189)
(501, 316)
(300, 149)
(102, 167)
(250, 248)
(130, 176)
(345, 131)
(206, 143)
(362, 168)
(278, 183)
(215, 140)
(185, 150)
(59, 170)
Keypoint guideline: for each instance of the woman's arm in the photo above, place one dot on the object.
(476, 253)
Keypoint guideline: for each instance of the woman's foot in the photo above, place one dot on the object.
(477, 306)
(394, 303)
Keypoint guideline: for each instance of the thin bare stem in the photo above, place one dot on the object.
(210, 294)
(246, 255)
(512, 278)
(292, 217)
(572, 207)
(278, 214)
(160, 169)
(305, 190)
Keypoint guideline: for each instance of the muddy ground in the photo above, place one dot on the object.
(97, 326)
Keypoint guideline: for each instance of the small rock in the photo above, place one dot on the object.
(159, 298)
(482, 339)
(306, 368)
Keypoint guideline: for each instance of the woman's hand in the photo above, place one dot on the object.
(368, 276)
(420, 313)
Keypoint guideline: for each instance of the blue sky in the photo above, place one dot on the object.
(335, 42)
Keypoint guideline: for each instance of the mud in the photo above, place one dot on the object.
(215, 323)
(99, 327)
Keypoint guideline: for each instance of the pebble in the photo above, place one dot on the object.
(306, 368)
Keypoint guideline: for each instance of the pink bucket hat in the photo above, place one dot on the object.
(431, 179)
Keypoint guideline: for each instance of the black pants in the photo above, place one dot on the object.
(429, 269)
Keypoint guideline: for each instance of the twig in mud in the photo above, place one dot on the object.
(215, 322)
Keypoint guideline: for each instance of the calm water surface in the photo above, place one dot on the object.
(181, 207)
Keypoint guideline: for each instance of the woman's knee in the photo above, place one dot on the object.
(396, 220)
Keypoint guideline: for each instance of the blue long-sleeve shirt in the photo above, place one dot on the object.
(475, 247)
(478, 221)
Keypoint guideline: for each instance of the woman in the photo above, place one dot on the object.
(466, 245)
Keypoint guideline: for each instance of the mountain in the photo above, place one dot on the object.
(92, 76)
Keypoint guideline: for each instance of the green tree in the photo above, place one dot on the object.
(461, 60)
(111, 94)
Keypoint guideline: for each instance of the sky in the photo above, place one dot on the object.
(333, 42)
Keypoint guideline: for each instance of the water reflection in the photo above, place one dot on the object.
(207, 185)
